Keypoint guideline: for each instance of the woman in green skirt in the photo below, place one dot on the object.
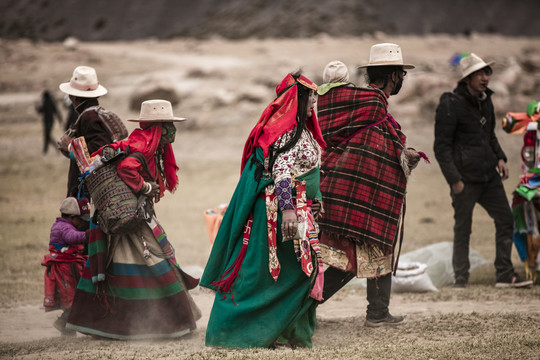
(265, 263)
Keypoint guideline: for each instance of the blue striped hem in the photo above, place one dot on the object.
(139, 270)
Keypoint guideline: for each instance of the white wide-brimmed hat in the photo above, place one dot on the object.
(335, 71)
(472, 63)
(84, 83)
(157, 111)
(386, 54)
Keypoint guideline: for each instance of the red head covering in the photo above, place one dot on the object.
(280, 117)
(146, 140)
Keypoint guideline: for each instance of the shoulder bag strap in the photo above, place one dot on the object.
(139, 156)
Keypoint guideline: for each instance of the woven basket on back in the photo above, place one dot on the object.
(117, 207)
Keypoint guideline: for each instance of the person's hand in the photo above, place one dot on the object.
(412, 156)
(289, 224)
(155, 190)
(458, 187)
(503, 169)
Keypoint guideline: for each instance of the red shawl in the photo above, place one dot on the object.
(146, 141)
(280, 117)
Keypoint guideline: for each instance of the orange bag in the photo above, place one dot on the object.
(213, 218)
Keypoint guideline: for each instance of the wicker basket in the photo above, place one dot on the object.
(118, 210)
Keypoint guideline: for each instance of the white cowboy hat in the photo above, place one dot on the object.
(156, 111)
(386, 54)
(472, 63)
(84, 83)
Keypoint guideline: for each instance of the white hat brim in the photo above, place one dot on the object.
(405, 66)
(477, 67)
(68, 89)
(173, 119)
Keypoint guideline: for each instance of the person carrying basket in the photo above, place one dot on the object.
(132, 286)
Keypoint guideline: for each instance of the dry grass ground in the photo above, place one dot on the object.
(223, 88)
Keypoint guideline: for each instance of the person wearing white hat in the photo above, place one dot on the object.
(474, 165)
(143, 291)
(84, 90)
(335, 74)
(365, 176)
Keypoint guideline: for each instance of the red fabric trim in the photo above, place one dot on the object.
(271, 226)
(303, 243)
(226, 283)
(133, 282)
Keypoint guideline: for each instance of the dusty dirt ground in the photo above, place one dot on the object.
(29, 322)
(223, 86)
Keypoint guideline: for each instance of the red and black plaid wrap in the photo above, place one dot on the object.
(363, 183)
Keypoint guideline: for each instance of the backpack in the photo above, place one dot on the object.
(112, 122)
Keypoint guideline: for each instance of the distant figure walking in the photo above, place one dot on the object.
(47, 107)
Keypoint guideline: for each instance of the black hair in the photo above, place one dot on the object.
(81, 99)
(301, 119)
(381, 74)
(487, 70)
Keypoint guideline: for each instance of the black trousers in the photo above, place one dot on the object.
(492, 197)
(378, 290)
(378, 296)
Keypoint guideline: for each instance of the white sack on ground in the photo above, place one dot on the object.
(438, 258)
(412, 277)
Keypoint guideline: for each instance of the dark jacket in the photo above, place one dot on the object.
(95, 134)
(465, 149)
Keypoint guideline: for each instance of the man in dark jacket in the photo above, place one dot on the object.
(474, 165)
(83, 90)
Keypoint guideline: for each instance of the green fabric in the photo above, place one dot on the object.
(96, 247)
(232, 226)
(531, 108)
(324, 88)
(265, 310)
(526, 192)
(313, 191)
(520, 224)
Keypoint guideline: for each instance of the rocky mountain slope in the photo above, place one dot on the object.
(135, 19)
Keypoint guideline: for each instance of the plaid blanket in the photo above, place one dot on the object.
(363, 183)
